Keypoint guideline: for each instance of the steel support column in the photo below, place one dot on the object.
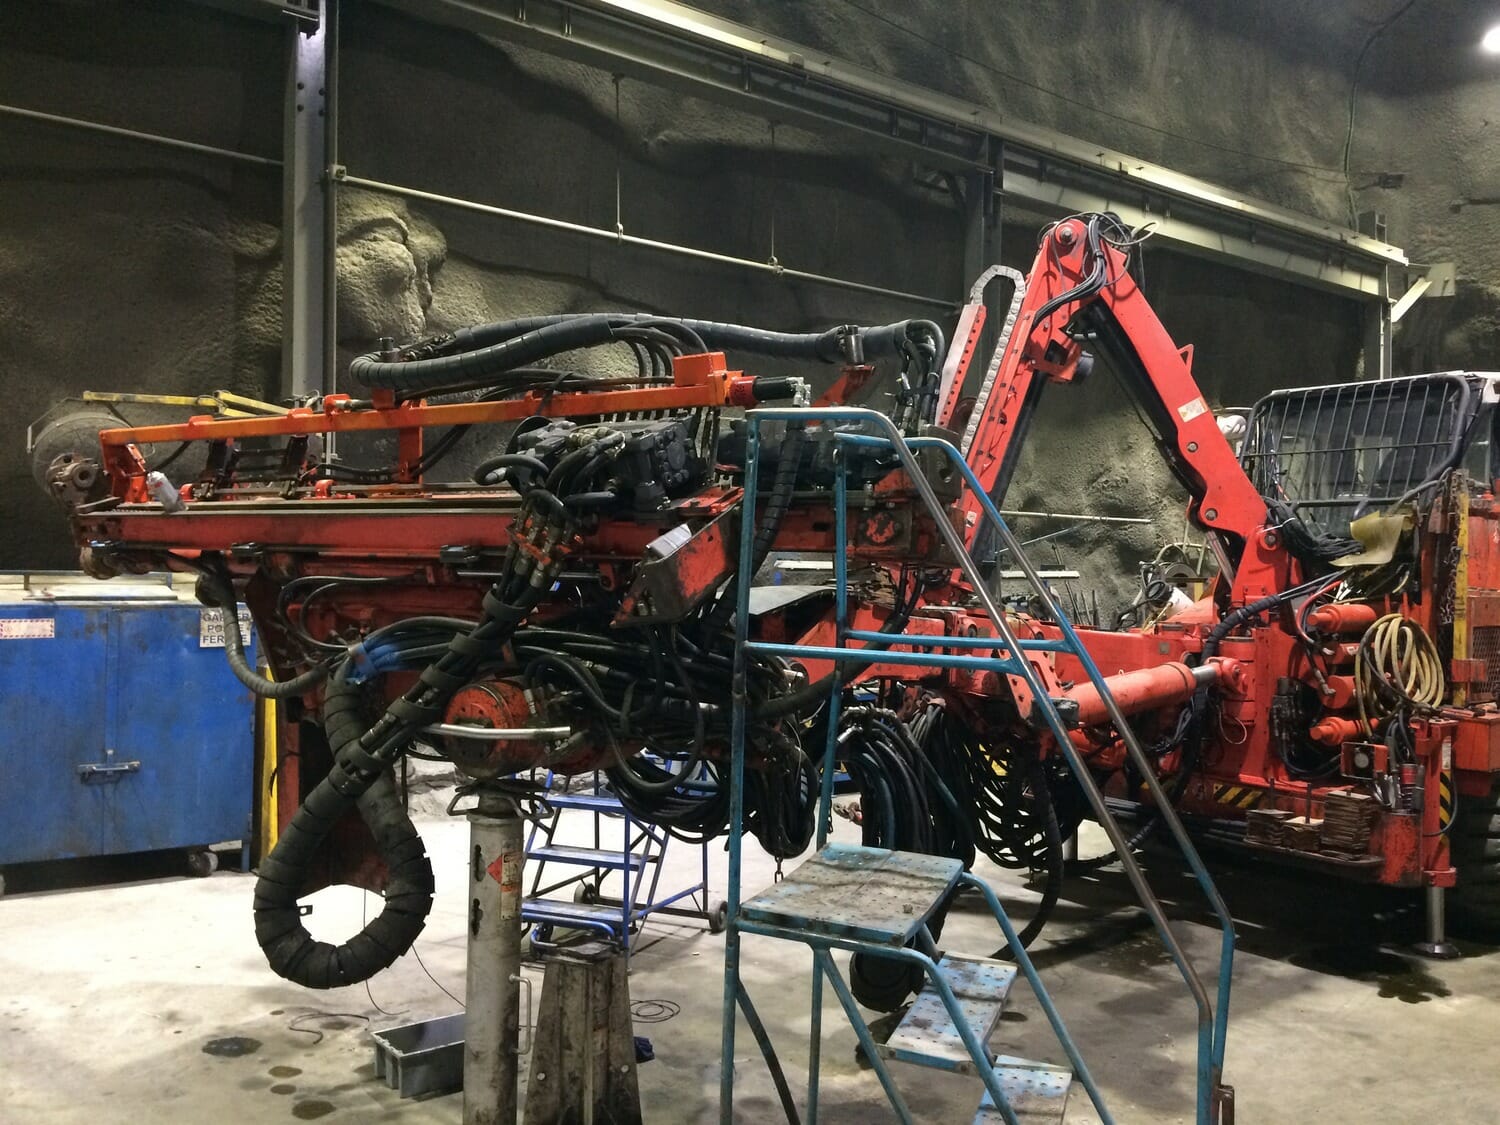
(304, 215)
(330, 24)
(492, 1016)
(1378, 329)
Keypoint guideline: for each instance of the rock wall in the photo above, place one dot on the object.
(127, 267)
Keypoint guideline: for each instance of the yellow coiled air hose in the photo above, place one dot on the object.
(1396, 666)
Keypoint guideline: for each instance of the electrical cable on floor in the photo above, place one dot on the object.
(364, 920)
(417, 954)
(653, 1011)
(371, 996)
(317, 1034)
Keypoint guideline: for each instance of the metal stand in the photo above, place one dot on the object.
(1437, 946)
(492, 986)
(583, 1058)
(639, 861)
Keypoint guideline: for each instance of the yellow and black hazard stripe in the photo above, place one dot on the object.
(1445, 799)
(1237, 796)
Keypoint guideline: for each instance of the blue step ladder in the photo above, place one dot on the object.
(878, 903)
(638, 861)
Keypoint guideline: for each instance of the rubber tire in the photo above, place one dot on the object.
(718, 917)
(202, 864)
(1475, 844)
(586, 893)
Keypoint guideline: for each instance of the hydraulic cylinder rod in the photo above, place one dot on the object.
(1342, 617)
(1146, 689)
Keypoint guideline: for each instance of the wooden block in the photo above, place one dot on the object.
(1304, 834)
(1266, 826)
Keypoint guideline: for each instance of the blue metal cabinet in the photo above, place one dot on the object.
(120, 731)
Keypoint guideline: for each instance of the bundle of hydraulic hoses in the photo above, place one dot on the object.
(1397, 668)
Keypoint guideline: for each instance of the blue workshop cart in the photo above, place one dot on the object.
(122, 728)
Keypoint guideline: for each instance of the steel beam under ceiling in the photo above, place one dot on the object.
(304, 10)
(676, 45)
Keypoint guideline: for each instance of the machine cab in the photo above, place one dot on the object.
(1331, 454)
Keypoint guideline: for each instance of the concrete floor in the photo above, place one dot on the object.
(113, 996)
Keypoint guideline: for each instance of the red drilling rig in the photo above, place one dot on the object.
(1328, 701)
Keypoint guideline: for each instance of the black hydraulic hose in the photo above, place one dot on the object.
(825, 346)
(221, 592)
(690, 340)
(482, 363)
(1052, 834)
(1234, 619)
(290, 950)
(815, 692)
(473, 354)
(487, 468)
(777, 503)
(359, 777)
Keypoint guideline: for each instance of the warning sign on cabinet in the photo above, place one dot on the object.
(211, 627)
(27, 628)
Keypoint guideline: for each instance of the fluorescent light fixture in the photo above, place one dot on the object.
(1491, 40)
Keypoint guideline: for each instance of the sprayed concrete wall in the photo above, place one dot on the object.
(126, 267)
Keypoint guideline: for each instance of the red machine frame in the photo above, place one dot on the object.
(432, 542)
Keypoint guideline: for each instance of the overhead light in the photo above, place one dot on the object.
(1491, 40)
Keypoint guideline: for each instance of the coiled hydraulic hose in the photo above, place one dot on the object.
(290, 950)
(1396, 667)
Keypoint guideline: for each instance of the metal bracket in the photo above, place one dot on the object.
(88, 771)
(526, 805)
(527, 1023)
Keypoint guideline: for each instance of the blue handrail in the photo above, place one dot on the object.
(1212, 1016)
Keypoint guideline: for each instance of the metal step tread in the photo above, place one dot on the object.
(927, 1035)
(590, 857)
(868, 894)
(569, 913)
(1037, 1092)
(597, 802)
